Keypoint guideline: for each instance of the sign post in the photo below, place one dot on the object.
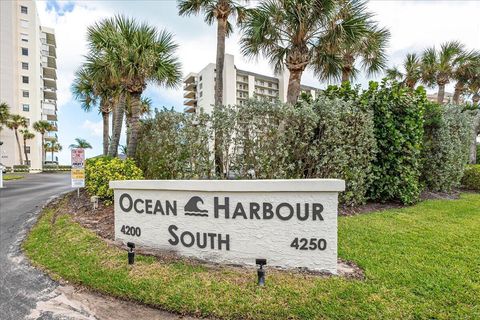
(78, 169)
(290, 223)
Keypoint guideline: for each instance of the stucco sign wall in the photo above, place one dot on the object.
(291, 223)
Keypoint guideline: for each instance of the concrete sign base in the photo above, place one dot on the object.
(291, 223)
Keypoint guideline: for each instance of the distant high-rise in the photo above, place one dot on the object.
(238, 87)
(28, 77)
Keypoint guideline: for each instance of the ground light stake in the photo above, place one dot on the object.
(261, 271)
(131, 253)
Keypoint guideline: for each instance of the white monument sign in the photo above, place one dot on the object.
(291, 223)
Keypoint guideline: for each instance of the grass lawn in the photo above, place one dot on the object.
(12, 176)
(421, 262)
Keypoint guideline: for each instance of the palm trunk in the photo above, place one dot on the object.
(345, 74)
(25, 149)
(106, 127)
(458, 91)
(19, 146)
(134, 124)
(117, 127)
(221, 34)
(293, 90)
(441, 93)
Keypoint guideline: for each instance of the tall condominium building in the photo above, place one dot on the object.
(238, 87)
(28, 78)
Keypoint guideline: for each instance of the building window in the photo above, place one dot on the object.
(200, 79)
(24, 37)
(27, 149)
(24, 79)
(24, 51)
(24, 23)
(25, 94)
(25, 65)
(200, 94)
(200, 86)
(26, 107)
(23, 9)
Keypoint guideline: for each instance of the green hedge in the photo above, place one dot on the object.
(100, 171)
(471, 177)
(327, 138)
(398, 127)
(446, 146)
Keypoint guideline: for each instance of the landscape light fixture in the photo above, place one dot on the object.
(261, 271)
(131, 252)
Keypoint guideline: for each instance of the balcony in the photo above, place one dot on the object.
(49, 84)
(49, 73)
(49, 95)
(190, 79)
(54, 127)
(189, 109)
(50, 37)
(189, 95)
(190, 102)
(49, 117)
(49, 62)
(190, 86)
(51, 136)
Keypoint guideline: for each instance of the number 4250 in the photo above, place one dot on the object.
(309, 244)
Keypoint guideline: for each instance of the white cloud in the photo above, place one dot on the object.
(94, 128)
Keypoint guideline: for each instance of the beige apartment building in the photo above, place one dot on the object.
(28, 79)
(238, 87)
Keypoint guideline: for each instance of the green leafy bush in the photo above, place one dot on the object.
(100, 171)
(446, 146)
(471, 177)
(398, 127)
(174, 145)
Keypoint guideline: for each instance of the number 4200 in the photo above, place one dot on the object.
(309, 244)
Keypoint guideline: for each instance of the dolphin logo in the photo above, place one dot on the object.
(192, 209)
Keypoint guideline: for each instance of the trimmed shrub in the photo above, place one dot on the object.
(398, 127)
(446, 146)
(326, 138)
(21, 168)
(478, 153)
(471, 177)
(174, 145)
(100, 171)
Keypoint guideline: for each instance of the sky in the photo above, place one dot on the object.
(414, 26)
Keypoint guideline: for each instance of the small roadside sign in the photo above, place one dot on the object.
(78, 168)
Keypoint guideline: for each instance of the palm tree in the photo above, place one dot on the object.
(27, 135)
(292, 33)
(42, 126)
(92, 92)
(438, 67)
(137, 54)
(369, 49)
(53, 146)
(80, 143)
(4, 114)
(412, 71)
(468, 67)
(14, 123)
(220, 11)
